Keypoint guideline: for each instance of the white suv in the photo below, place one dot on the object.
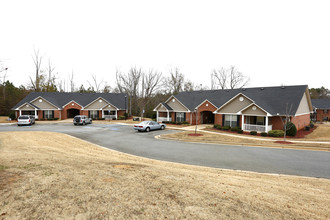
(81, 120)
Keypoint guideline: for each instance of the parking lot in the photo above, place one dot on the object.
(124, 139)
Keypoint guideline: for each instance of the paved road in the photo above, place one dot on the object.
(125, 139)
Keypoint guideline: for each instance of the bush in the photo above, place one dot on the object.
(264, 134)
(253, 132)
(235, 128)
(240, 131)
(121, 117)
(226, 128)
(12, 115)
(185, 123)
(291, 129)
(276, 133)
(311, 125)
(307, 128)
(126, 115)
(179, 123)
(217, 126)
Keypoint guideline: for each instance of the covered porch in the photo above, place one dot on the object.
(163, 116)
(256, 123)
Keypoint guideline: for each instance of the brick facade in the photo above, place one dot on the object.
(320, 115)
(301, 121)
(71, 105)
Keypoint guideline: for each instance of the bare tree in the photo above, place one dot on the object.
(95, 85)
(175, 82)
(149, 85)
(50, 84)
(286, 119)
(72, 82)
(228, 78)
(37, 59)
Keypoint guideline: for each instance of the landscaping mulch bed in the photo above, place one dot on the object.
(193, 134)
(283, 142)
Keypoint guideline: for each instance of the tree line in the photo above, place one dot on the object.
(144, 88)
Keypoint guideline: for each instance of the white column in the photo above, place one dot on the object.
(116, 114)
(242, 122)
(35, 114)
(168, 116)
(102, 113)
(20, 112)
(266, 129)
(157, 115)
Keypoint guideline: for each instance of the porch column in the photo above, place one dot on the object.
(35, 114)
(157, 115)
(266, 128)
(168, 116)
(20, 112)
(116, 114)
(242, 122)
(102, 113)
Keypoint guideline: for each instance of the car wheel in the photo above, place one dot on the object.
(139, 130)
(147, 129)
(162, 127)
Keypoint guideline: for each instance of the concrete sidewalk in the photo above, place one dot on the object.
(201, 127)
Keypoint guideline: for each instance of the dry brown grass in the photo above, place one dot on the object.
(215, 138)
(4, 119)
(49, 175)
(321, 133)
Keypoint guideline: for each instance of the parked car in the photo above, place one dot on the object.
(81, 120)
(26, 120)
(149, 125)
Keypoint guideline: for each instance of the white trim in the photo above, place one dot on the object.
(268, 114)
(26, 103)
(259, 115)
(303, 114)
(82, 108)
(232, 100)
(46, 101)
(203, 103)
(155, 109)
(96, 100)
(178, 101)
(112, 106)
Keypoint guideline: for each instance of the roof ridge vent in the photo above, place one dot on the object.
(283, 87)
(262, 88)
(243, 89)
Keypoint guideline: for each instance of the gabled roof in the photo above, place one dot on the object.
(27, 103)
(62, 98)
(271, 99)
(321, 103)
(167, 106)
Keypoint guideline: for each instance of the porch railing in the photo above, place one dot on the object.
(160, 119)
(109, 117)
(261, 128)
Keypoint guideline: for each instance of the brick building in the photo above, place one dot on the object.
(321, 109)
(62, 105)
(257, 109)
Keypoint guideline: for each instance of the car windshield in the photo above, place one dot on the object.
(23, 117)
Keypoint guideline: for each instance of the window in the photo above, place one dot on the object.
(325, 111)
(231, 120)
(48, 114)
(180, 116)
(94, 114)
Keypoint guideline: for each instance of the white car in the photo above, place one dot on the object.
(26, 120)
(81, 120)
(149, 125)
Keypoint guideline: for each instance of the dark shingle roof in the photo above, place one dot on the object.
(321, 103)
(166, 106)
(271, 99)
(59, 99)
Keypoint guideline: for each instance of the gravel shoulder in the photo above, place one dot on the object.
(52, 175)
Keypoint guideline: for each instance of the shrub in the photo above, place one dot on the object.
(126, 115)
(253, 132)
(185, 123)
(235, 128)
(311, 125)
(307, 128)
(276, 133)
(12, 115)
(226, 128)
(179, 123)
(291, 129)
(121, 117)
(217, 126)
(52, 119)
(264, 134)
(240, 131)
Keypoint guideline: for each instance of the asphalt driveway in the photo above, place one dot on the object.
(124, 139)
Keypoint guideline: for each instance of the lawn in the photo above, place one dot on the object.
(50, 175)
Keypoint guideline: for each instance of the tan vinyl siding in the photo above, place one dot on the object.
(29, 108)
(235, 105)
(303, 106)
(176, 106)
(111, 108)
(43, 105)
(96, 105)
(256, 112)
(161, 108)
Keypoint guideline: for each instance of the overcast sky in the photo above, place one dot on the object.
(272, 42)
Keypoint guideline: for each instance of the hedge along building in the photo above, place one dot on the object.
(50, 105)
(253, 109)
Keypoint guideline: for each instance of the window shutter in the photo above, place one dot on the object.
(184, 116)
(174, 119)
(43, 114)
(98, 114)
(53, 114)
(223, 120)
(89, 114)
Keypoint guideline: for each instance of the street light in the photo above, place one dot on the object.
(125, 107)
